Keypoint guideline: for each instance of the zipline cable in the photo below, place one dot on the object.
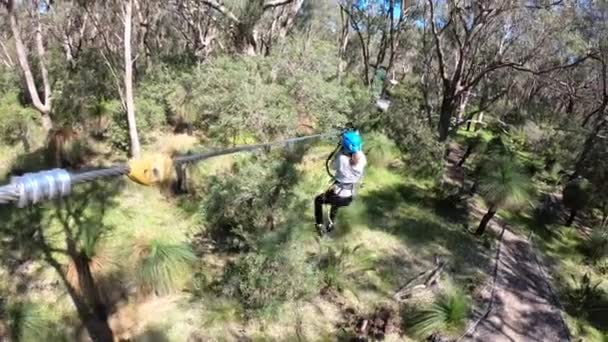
(32, 188)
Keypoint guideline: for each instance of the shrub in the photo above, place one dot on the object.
(15, 119)
(306, 69)
(406, 125)
(596, 247)
(380, 150)
(150, 115)
(448, 315)
(338, 263)
(235, 96)
(242, 205)
(582, 295)
(262, 282)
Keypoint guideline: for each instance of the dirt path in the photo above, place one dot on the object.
(523, 307)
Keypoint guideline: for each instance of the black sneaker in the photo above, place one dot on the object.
(330, 225)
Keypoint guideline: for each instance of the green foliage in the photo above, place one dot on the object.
(306, 68)
(556, 146)
(242, 205)
(448, 314)
(236, 95)
(29, 322)
(118, 130)
(338, 263)
(161, 266)
(14, 118)
(411, 132)
(262, 282)
(150, 115)
(497, 146)
(576, 194)
(76, 92)
(503, 184)
(596, 247)
(583, 295)
(380, 150)
(9, 80)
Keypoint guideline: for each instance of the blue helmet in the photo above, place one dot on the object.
(351, 141)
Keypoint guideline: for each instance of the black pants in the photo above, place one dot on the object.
(334, 200)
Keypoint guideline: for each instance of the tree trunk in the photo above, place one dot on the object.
(343, 42)
(463, 105)
(447, 112)
(91, 309)
(22, 55)
(129, 101)
(88, 286)
(485, 220)
(571, 218)
(99, 330)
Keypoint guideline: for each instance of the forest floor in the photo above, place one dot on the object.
(521, 304)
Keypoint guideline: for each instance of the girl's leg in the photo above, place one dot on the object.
(319, 201)
(337, 203)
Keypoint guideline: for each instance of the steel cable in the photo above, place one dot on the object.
(32, 187)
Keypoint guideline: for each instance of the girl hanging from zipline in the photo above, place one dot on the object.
(349, 163)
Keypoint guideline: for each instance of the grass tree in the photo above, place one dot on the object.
(473, 143)
(447, 315)
(502, 184)
(161, 266)
(28, 321)
(576, 196)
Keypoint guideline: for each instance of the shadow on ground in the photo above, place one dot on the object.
(428, 226)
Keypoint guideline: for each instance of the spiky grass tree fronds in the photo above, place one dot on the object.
(91, 248)
(99, 264)
(31, 322)
(339, 263)
(161, 266)
(597, 245)
(447, 315)
(502, 184)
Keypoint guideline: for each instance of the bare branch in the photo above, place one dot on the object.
(216, 5)
(276, 3)
(8, 61)
(439, 51)
(42, 63)
(22, 54)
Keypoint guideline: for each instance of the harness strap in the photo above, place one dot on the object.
(345, 186)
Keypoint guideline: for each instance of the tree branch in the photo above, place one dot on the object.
(43, 108)
(216, 5)
(439, 51)
(276, 3)
(364, 50)
(42, 62)
(8, 61)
